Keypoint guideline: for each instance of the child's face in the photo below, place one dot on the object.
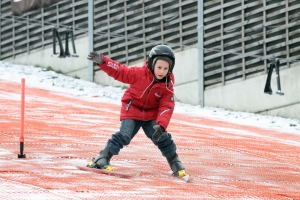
(161, 69)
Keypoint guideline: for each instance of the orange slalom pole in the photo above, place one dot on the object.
(21, 155)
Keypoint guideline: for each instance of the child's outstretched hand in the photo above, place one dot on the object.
(95, 57)
(158, 132)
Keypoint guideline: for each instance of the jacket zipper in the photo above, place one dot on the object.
(147, 88)
(145, 103)
(152, 83)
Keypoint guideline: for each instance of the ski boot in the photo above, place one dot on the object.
(102, 161)
(176, 166)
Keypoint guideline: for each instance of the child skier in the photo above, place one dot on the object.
(148, 103)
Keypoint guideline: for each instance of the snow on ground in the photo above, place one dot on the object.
(50, 80)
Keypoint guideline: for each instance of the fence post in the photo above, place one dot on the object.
(91, 38)
(200, 54)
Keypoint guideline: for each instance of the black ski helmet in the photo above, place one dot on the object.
(161, 51)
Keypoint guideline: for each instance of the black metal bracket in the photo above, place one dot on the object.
(56, 33)
(268, 90)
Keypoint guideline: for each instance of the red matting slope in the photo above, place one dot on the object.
(228, 161)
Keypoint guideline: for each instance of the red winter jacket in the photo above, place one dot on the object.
(145, 99)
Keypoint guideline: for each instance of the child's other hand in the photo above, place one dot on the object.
(158, 132)
(95, 57)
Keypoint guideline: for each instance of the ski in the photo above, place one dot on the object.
(133, 174)
(187, 178)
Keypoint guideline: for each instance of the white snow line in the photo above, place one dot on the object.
(240, 132)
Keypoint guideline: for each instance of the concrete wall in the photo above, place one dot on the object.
(245, 95)
(70, 65)
(248, 95)
(186, 76)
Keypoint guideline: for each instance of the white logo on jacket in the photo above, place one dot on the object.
(157, 94)
(113, 65)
